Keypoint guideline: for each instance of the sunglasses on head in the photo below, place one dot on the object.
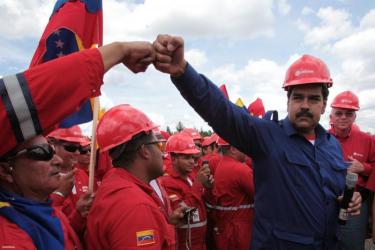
(40, 152)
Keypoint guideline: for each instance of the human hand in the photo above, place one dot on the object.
(84, 203)
(67, 182)
(355, 204)
(169, 55)
(356, 166)
(138, 56)
(177, 215)
(205, 177)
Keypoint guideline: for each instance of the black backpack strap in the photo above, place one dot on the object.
(271, 115)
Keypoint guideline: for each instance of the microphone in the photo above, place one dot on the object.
(350, 182)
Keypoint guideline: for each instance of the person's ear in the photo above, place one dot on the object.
(324, 106)
(144, 152)
(6, 172)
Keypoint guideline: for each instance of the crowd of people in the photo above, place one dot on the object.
(256, 183)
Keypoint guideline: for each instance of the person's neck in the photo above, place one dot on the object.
(342, 132)
(138, 172)
(308, 134)
(181, 173)
(26, 194)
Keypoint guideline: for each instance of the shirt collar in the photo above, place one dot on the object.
(333, 132)
(146, 187)
(290, 130)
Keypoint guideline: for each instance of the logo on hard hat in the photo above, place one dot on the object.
(191, 145)
(346, 101)
(304, 71)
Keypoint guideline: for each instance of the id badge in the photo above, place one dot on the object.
(196, 216)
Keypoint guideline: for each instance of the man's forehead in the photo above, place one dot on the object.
(342, 110)
(31, 142)
(307, 90)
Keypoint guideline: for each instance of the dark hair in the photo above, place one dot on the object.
(325, 91)
(224, 149)
(126, 153)
(211, 146)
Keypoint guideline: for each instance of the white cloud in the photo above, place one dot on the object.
(234, 19)
(357, 69)
(307, 11)
(302, 25)
(258, 78)
(284, 7)
(358, 58)
(196, 57)
(352, 48)
(105, 101)
(368, 21)
(335, 24)
(23, 19)
(158, 119)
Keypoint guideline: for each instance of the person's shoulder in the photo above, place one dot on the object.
(13, 237)
(363, 135)
(241, 169)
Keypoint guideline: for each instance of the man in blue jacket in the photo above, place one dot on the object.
(298, 167)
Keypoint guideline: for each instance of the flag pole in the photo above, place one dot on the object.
(93, 143)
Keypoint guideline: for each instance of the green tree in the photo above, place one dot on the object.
(204, 133)
(169, 130)
(179, 126)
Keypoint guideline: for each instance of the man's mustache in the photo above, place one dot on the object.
(305, 114)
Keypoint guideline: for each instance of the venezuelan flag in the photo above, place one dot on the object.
(73, 26)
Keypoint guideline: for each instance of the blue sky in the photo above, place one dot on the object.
(247, 44)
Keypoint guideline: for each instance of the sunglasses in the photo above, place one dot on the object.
(347, 113)
(84, 151)
(159, 144)
(40, 152)
(68, 147)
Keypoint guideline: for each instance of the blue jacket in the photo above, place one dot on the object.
(296, 183)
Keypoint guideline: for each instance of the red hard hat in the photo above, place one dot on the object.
(159, 135)
(120, 124)
(221, 142)
(208, 140)
(86, 141)
(307, 70)
(165, 134)
(72, 134)
(346, 100)
(193, 133)
(256, 108)
(181, 144)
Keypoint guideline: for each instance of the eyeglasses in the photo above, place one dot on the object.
(84, 151)
(40, 152)
(159, 144)
(346, 113)
(68, 147)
